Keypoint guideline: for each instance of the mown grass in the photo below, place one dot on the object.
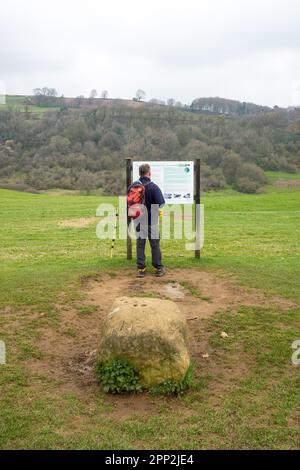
(280, 175)
(253, 239)
(18, 102)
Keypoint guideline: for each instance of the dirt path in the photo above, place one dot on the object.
(68, 353)
(287, 183)
(78, 223)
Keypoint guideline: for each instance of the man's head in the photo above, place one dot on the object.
(145, 170)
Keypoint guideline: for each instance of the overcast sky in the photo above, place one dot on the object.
(242, 49)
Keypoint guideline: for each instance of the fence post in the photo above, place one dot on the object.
(128, 183)
(197, 207)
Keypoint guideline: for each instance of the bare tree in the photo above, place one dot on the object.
(104, 94)
(79, 100)
(52, 92)
(171, 102)
(45, 95)
(140, 94)
(93, 94)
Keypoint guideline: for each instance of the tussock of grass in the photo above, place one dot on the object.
(86, 309)
(194, 291)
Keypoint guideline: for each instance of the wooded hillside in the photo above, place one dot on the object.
(85, 148)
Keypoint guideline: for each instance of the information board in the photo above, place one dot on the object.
(175, 179)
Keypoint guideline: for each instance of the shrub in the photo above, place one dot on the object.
(174, 387)
(118, 376)
(252, 172)
(249, 178)
(245, 185)
(111, 140)
(214, 182)
(230, 166)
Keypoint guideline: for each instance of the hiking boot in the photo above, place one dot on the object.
(160, 271)
(141, 272)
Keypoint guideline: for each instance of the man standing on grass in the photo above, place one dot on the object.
(147, 222)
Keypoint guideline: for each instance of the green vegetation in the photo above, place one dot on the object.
(84, 147)
(87, 310)
(174, 387)
(194, 291)
(118, 376)
(24, 104)
(16, 101)
(247, 395)
(279, 175)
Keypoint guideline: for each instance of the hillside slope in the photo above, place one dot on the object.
(85, 148)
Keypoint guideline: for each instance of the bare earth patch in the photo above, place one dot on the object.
(287, 183)
(68, 353)
(78, 223)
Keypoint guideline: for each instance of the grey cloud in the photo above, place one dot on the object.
(188, 48)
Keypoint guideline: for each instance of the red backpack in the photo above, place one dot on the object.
(136, 199)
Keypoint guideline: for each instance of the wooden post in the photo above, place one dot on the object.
(128, 183)
(197, 206)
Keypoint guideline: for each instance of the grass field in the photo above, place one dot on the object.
(251, 240)
(17, 102)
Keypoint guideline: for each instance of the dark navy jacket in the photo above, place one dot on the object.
(153, 196)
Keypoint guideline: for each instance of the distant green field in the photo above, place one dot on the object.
(12, 101)
(18, 103)
(280, 175)
(253, 239)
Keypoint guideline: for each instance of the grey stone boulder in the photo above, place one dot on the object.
(150, 334)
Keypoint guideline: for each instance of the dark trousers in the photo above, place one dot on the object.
(153, 236)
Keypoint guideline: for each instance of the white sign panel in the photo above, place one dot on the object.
(175, 179)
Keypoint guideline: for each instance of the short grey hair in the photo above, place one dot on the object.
(144, 169)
